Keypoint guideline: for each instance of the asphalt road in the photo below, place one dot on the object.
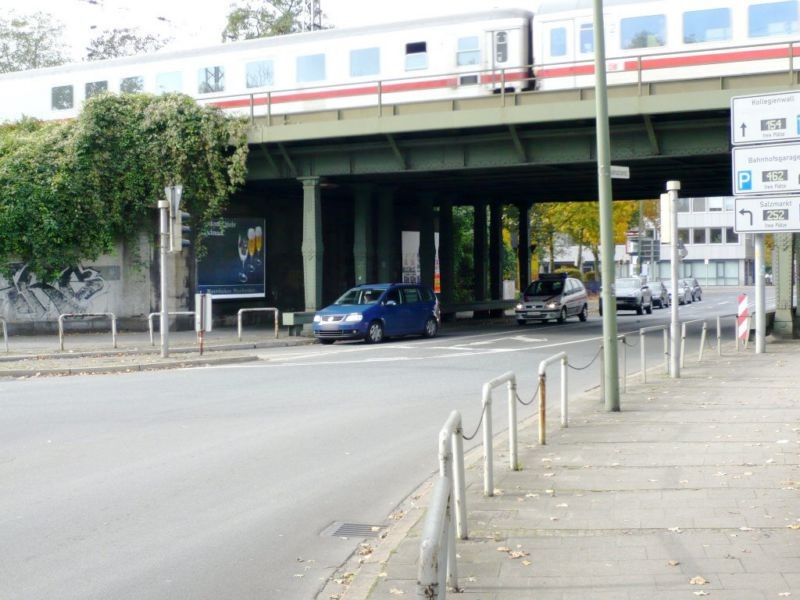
(216, 483)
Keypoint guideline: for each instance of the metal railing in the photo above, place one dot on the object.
(702, 339)
(562, 356)
(260, 309)
(451, 466)
(155, 314)
(486, 400)
(84, 315)
(643, 355)
(438, 545)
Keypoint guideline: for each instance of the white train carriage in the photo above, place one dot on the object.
(444, 57)
(662, 40)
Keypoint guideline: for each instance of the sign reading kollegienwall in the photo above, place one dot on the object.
(234, 264)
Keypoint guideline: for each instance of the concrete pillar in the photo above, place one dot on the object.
(312, 248)
(446, 252)
(782, 275)
(427, 244)
(479, 249)
(388, 241)
(524, 247)
(496, 251)
(363, 252)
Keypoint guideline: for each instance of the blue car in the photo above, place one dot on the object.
(378, 311)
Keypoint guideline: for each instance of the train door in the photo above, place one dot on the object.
(501, 57)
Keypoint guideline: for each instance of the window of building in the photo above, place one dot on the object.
(501, 47)
(699, 236)
(169, 82)
(731, 237)
(586, 38)
(210, 80)
(715, 235)
(416, 56)
(683, 235)
(715, 204)
(260, 73)
(698, 205)
(712, 25)
(683, 205)
(365, 61)
(729, 204)
(775, 18)
(62, 97)
(468, 51)
(643, 32)
(558, 41)
(310, 68)
(131, 85)
(96, 87)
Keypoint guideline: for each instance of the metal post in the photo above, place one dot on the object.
(719, 337)
(458, 483)
(564, 417)
(624, 364)
(488, 466)
(512, 425)
(702, 341)
(163, 206)
(666, 351)
(675, 364)
(611, 382)
(542, 409)
(683, 343)
(642, 356)
(760, 292)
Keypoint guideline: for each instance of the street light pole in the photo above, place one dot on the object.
(163, 206)
(674, 329)
(610, 365)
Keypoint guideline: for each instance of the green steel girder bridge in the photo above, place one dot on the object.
(338, 186)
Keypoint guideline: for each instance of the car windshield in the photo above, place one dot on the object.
(628, 283)
(545, 287)
(360, 296)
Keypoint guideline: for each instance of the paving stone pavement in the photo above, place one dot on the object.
(691, 490)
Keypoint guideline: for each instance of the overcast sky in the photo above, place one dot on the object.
(198, 23)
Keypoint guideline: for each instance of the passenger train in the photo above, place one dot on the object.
(467, 55)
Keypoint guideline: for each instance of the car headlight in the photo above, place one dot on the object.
(317, 319)
(553, 304)
(520, 306)
(354, 317)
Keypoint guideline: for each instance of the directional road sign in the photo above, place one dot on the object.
(767, 214)
(766, 169)
(765, 118)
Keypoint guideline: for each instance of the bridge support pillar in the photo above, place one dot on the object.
(495, 255)
(524, 246)
(479, 262)
(783, 327)
(446, 252)
(427, 243)
(312, 248)
(388, 241)
(363, 253)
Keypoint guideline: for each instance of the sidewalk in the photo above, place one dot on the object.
(693, 489)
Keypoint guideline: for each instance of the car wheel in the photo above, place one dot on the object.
(374, 333)
(520, 321)
(699, 297)
(639, 310)
(649, 309)
(584, 314)
(431, 328)
(562, 316)
(326, 342)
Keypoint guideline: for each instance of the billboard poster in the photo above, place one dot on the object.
(234, 264)
(411, 267)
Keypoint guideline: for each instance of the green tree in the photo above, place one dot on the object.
(69, 190)
(30, 42)
(115, 43)
(262, 18)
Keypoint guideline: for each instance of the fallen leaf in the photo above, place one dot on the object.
(562, 505)
(782, 442)
(673, 563)
(503, 549)
(745, 529)
(396, 592)
(675, 530)
(550, 492)
(383, 574)
(784, 594)
(527, 563)
(794, 526)
(698, 580)
(518, 553)
(548, 474)
(700, 593)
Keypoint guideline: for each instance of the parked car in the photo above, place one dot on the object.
(552, 296)
(378, 311)
(660, 294)
(684, 292)
(632, 293)
(694, 288)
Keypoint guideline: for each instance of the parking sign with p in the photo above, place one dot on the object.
(744, 181)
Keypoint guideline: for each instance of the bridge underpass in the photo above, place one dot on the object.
(337, 187)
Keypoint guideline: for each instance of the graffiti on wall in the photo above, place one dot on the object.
(76, 290)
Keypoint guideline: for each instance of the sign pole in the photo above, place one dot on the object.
(674, 329)
(760, 293)
(163, 206)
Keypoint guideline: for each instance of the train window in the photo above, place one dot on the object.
(711, 25)
(95, 87)
(643, 32)
(210, 79)
(586, 38)
(416, 56)
(169, 82)
(501, 47)
(259, 74)
(365, 61)
(310, 68)
(468, 51)
(775, 18)
(62, 97)
(558, 41)
(131, 85)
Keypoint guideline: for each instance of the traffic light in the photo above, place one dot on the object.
(179, 231)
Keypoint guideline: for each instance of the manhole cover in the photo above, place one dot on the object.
(340, 529)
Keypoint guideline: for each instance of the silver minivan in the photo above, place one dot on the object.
(552, 296)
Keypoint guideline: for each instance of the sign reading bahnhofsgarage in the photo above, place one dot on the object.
(234, 264)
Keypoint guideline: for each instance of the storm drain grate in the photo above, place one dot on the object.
(339, 529)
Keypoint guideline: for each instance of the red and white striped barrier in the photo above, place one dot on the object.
(743, 319)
